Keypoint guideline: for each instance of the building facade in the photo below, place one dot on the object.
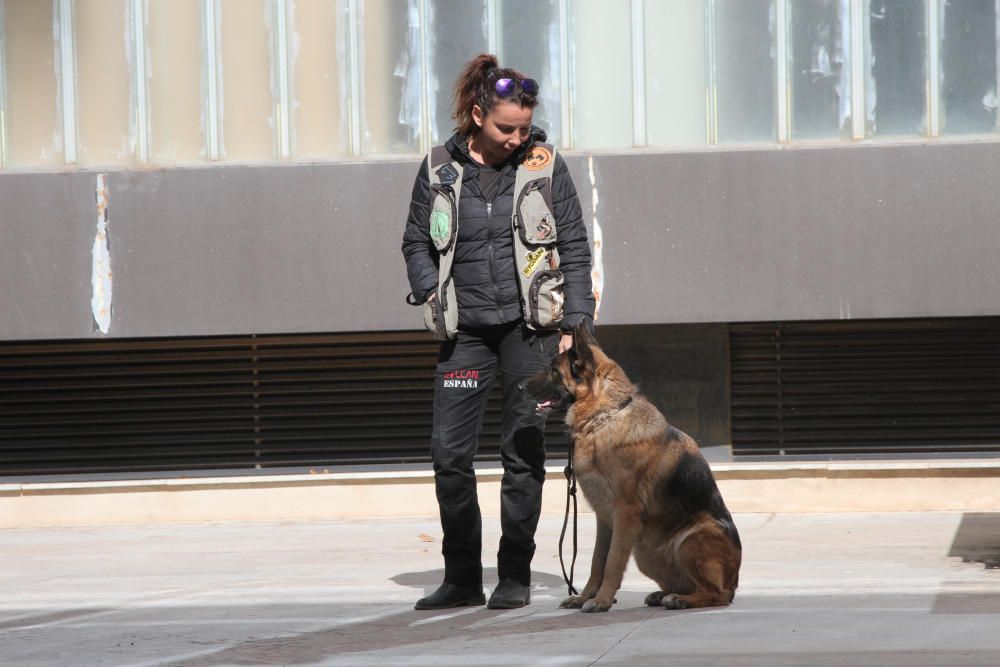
(791, 203)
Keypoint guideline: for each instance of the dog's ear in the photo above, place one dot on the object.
(582, 333)
(583, 347)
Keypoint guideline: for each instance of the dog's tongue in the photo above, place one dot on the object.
(545, 405)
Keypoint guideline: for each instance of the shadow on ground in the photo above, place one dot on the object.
(381, 626)
(428, 581)
(977, 539)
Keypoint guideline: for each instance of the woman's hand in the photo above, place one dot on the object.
(565, 342)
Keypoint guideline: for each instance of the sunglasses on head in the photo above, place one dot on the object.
(506, 87)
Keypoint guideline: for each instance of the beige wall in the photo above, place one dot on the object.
(823, 487)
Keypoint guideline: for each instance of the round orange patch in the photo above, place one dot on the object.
(537, 158)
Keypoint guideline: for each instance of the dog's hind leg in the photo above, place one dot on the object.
(710, 561)
(597, 563)
(709, 591)
(655, 599)
(655, 560)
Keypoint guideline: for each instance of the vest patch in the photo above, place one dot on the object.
(440, 225)
(537, 158)
(534, 258)
(544, 227)
(447, 174)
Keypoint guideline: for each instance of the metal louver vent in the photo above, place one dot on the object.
(866, 387)
(222, 403)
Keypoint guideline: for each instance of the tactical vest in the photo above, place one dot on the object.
(534, 227)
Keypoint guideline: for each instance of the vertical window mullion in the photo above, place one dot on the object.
(210, 46)
(711, 76)
(859, 15)
(783, 84)
(565, 75)
(425, 78)
(638, 73)
(279, 62)
(933, 68)
(354, 27)
(3, 88)
(140, 85)
(493, 24)
(67, 79)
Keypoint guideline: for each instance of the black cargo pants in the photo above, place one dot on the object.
(465, 373)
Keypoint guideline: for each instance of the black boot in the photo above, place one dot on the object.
(510, 594)
(449, 595)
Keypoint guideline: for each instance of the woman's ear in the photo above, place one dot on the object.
(477, 115)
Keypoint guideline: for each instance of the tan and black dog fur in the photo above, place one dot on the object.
(652, 491)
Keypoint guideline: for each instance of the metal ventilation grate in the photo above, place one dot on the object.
(866, 387)
(223, 403)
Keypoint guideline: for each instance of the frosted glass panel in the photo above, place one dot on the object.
(896, 60)
(247, 101)
(602, 67)
(173, 39)
(103, 85)
(675, 73)
(968, 66)
(745, 38)
(319, 83)
(458, 33)
(34, 124)
(820, 71)
(391, 77)
(529, 43)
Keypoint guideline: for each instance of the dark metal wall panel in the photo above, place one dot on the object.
(902, 386)
(682, 368)
(241, 402)
(836, 232)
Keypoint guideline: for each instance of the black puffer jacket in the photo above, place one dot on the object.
(483, 271)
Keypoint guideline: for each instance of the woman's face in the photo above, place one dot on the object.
(502, 130)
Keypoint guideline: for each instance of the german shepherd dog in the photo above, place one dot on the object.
(651, 489)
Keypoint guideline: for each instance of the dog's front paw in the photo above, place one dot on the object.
(572, 602)
(597, 604)
(674, 601)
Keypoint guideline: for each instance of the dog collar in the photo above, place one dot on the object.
(604, 417)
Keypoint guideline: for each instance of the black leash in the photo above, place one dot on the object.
(570, 495)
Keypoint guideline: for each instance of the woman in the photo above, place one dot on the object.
(476, 171)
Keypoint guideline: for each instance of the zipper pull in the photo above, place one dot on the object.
(489, 209)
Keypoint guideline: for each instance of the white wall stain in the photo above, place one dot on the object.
(597, 273)
(100, 301)
(845, 314)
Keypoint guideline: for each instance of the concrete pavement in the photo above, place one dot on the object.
(816, 589)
